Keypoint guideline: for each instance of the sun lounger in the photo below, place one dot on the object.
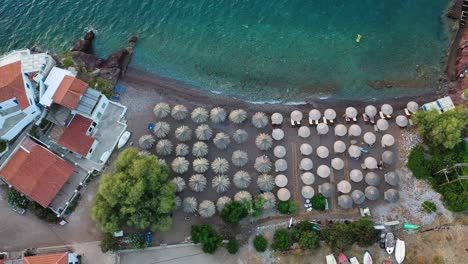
(316, 122)
(410, 122)
(324, 120)
(293, 124)
(407, 113)
(388, 116)
(311, 122)
(381, 115)
(331, 121)
(376, 129)
(355, 119)
(366, 119)
(372, 120)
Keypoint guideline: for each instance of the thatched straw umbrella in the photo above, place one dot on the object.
(161, 129)
(189, 205)
(238, 116)
(369, 138)
(307, 192)
(197, 183)
(401, 121)
(164, 147)
(354, 151)
(199, 115)
(326, 189)
(218, 115)
(388, 140)
(358, 196)
(161, 110)
(179, 183)
(259, 120)
(220, 183)
(277, 134)
(182, 150)
(339, 146)
(276, 119)
(351, 112)
(240, 136)
(315, 114)
(279, 151)
(306, 164)
(329, 114)
(340, 130)
(220, 165)
(372, 193)
(412, 106)
(354, 130)
(281, 165)
(239, 158)
(242, 179)
(388, 157)
(179, 112)
(281, 180)
(303, 132)
(306, 149)
(177, 203)
(262, 164)
(392, 178)
(270, 200)
(180, 165)
(221, 140)
(372, 179)
(283, 194)
(345, 201)
(183, 133)
(264, 141)
(146, 141)
(243, 196)
(392, 196)
(370, 163)
(200, 165)
(222, 201)
(308, 178)
(344, 186)
(370, 110)
(200, 149)
(337, 164)
(382, 124)
(322, 129)
(322, 152)
(296, 115)
(265, 182)
(203, 132)
(386, 109)
(206, 209)
(356, 175)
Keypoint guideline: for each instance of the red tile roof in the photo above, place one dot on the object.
(53, 258)
(12, 84)
(36, 172)
(74, 136)
(69, 92)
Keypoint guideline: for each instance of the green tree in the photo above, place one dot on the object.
(233, 212)
(444, 129)
(287, 207)
(338, 236)
(260, 243)
(309, 240)
(281, 240)
(429, 207)
(17, 199)
(207, 236)
(299, 228)
(138, 241)
(232, 246)
(109, 243)
(138, 194)
(418, 164)
(364, 232)
(319, 202)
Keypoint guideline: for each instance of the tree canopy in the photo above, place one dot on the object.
(138, 194)
(207, 236)
(233, 212)
(444, 129)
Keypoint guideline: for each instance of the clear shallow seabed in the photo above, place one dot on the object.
(262, 50)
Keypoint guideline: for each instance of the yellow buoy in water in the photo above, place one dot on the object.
(358, 38)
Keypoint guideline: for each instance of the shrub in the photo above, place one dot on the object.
(67, 62)
(138, 241)
(299, 228)
(287, 207)
(109, 243)
(260, 243)
(72, 206)
(233, 212)
(429, 207)
(3, 145)
(207, 236)
(281, 241)
(319, 202)
(16, 199)
(338, 237)
(309, 240)
(418, 164)
(363, 232)
(43, 213)
(232, 246)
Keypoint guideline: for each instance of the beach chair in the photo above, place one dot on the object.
(151, 127)
(346, 118)
(372, 120)
(388, 116)
(316, 122)
(354, 119)
(366, 119)
(410, 122)
(325, 121)
(118, 91)
(381, 115)
(376, 129)
(331, 121)
(310, 122)
(407, 113)
(292, 123)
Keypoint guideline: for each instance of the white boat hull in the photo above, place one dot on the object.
(367, 258)
(400, 251)
(123, 139)
(331, 259)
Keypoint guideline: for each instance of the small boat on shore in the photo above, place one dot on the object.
(400, 251)
(390, 243)
(123, 139)
(343, 259)
(367, 258)
(353, 260)
(331, 259)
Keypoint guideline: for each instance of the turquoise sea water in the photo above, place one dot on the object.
(261, 50)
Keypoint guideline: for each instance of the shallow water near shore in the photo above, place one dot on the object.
(279, 50)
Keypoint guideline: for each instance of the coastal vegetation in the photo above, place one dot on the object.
(232, 246)
(233, 212)
(207, 236)
(137, 194)
(260, 243)
(319, 202)
(109, 243)
(304, 234)
(429, 207)
(281, 240)
(287, 207)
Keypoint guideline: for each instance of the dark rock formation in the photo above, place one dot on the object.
(454, 11)
(84, 44)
